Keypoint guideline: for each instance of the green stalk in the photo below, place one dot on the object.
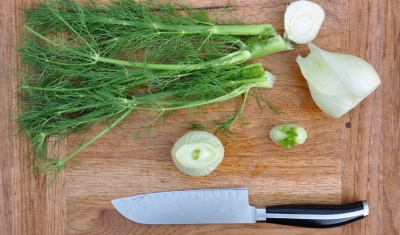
(224, 126)
(267, 81)
(61, 163)
(53, 89)
(191, 104)
(272, 45)
(233, 58)
(238, 30)
(37, 34)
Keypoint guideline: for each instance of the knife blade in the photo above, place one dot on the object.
(231, 205)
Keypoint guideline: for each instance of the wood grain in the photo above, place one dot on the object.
(371, 163)
(337, 163)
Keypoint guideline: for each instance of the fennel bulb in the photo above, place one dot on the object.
(197, 153)
(303, 20)
(337, 82)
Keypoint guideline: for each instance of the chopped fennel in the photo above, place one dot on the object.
(288, 135)
(197, 153)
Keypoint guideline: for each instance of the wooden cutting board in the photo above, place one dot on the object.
(351, 158)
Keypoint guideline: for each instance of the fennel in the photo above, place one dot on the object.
(303, 20)
(337, 82)
(132, 32)
(288, 135)
(89, 64)
(197, 153)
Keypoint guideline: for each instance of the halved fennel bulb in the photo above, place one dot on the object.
(303, 20)
(197, 153)
(288, 135)
(337, 82)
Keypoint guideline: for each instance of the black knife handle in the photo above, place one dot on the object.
(315, 216)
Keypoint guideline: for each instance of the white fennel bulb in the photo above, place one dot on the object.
(337, 82)
(197, 153)
(302, 21)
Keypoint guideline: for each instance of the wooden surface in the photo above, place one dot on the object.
(337, 163)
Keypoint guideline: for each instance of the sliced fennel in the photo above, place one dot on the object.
(337, 82)
(303, 20)
(288, 135)
(197, 153)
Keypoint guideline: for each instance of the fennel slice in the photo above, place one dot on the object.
(288, 135)
(197, 153)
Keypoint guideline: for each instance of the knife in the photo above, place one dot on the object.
(231, 205)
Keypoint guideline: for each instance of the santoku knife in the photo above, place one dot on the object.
(231, 205)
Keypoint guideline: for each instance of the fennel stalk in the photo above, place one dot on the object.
(89, 64)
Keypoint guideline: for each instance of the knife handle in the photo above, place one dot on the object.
(315, 216)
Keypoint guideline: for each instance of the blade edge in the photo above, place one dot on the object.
(205, 206)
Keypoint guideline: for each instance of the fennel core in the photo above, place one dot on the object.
(89, 64)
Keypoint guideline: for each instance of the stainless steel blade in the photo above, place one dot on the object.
(208, 206)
